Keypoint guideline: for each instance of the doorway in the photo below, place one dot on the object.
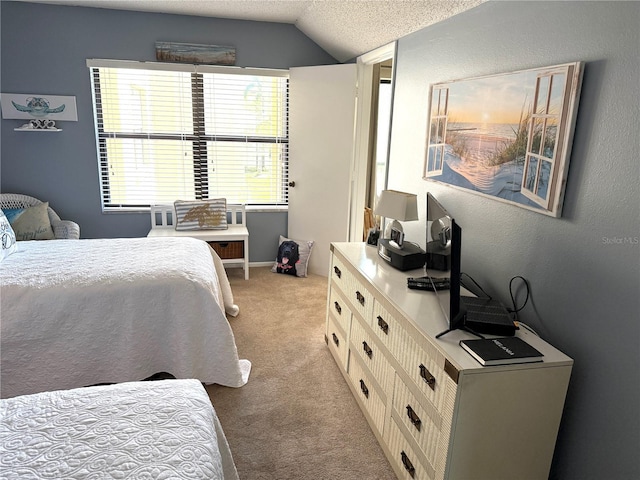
(373, 128)
(380, 133)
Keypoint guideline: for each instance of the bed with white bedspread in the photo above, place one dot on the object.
(160, 430)
(115, 310)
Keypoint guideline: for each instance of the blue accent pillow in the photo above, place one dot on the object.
(12, 213)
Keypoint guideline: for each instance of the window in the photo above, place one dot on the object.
(542, 144)
(171, 131)
(437, 141)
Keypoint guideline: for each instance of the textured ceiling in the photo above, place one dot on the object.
(343, 28)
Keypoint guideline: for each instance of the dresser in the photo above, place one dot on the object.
(436, 412)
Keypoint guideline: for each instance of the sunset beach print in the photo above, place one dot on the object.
(499, 135)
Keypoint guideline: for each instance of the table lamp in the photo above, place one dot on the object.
(398, 207)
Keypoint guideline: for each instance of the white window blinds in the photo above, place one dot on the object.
(170, 131)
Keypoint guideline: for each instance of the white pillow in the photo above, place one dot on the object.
(7, 237)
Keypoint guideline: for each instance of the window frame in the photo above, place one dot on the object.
(198, 137)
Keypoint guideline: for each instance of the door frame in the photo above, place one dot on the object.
(364, 68)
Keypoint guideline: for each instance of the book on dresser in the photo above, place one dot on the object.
(501, 351)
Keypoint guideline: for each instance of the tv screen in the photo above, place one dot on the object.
(444, 247)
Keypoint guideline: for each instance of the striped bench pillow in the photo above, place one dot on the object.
(201, 214)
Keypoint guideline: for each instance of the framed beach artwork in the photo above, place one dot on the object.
(506, 136)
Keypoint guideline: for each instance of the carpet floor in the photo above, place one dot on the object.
(296, 417)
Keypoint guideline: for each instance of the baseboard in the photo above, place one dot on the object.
(251, 264)
(261, 264)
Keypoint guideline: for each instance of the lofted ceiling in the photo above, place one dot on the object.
(343, 28)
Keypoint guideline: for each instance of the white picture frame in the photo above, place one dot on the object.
(506, 136)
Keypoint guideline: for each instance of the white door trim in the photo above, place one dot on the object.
(364, 65)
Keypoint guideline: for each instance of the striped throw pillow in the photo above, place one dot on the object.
(201, 214)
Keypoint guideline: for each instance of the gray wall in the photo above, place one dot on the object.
(584, 267)
(585, 286)
(44, 50)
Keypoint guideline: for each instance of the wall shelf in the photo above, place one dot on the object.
(20, 129)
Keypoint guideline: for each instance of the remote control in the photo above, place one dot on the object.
(428, 283)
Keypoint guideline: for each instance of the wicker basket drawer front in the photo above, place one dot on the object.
(339, 307)
(406, 459)
(337, 342)
(371, 356)
(367, 392)
(228, 250)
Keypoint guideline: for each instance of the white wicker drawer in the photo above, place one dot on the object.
(339, 274)
(339, 307)
(386, 328)
(372, 357)
(337, 342)
(405, 458)
(360, 296)
(425, 367)
(367, 393)
(424, 424)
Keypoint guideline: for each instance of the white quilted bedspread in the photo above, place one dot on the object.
(77, 313)
(139, 430)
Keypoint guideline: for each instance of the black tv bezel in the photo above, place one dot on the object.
(456, 314)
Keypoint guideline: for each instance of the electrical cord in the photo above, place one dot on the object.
(513, 300)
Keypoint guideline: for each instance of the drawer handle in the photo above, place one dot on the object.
(338, 308)
(414, 418)
(364, 388)
(427, 377)
(337, 272)
(384, 326)
(360, 298)
(367, 349)
(336, 340)
(407, 464)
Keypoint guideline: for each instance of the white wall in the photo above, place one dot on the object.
(585, 286)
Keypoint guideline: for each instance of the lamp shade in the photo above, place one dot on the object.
(397, 205)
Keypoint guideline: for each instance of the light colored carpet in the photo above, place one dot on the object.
(296, 418)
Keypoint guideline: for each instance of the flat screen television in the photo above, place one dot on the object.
(456, 315)
(444, 241)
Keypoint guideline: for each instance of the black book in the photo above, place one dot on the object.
(501, 351)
